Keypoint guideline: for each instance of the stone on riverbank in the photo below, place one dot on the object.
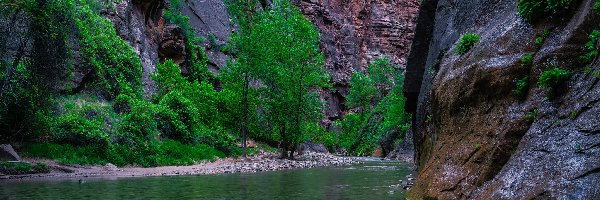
(7, 153)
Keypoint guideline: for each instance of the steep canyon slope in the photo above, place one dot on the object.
(474, 138)
(353, 33)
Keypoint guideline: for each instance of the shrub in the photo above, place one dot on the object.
(597, 7)
(540, 39)
(531, 115)
(553, 77)
(527, 60)
(533, 10)
(591, 48)
(521, 86)
(467, 42)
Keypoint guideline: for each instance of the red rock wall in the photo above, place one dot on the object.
(354, 32)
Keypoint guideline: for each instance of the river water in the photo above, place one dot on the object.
(370, 180)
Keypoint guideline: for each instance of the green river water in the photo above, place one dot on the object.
(370, 180)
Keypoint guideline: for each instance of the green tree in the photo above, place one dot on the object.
(278, 49)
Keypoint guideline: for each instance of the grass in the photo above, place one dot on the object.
(467, 42)
(159, 153)
(15, 168)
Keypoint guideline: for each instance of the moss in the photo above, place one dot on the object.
(467, 42)
(534, 10)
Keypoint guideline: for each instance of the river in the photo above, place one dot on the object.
(369, 180)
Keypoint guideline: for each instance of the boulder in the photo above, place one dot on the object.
(310, 146)
(7, 153)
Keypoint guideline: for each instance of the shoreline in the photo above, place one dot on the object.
(263, 162)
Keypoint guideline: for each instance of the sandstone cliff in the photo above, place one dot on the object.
(355, 32)
(474, 139)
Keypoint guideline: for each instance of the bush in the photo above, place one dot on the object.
(540, 39)
(591, 48)
(467, 42)
(553, 77)
(531, 115)
(597, 7)
(527, 60)
(521, 86)
(533, 10)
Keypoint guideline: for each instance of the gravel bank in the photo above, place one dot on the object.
(256, 163)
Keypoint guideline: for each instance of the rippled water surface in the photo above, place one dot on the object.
(371, 180)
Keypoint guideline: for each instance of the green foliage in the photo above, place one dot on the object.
(597, 7)
(540, 39)
(114, 61)
(591, 47)
(189, 110)
(157, 153)
(14, 168)
(84, 129)
(531, 115)
(196, 56)
(533, 10)
(381, 71)
(521, 86)
(467, 42)
(279, 50)
(362, 91)
(527, 60)
(361, 133)
(553, 77)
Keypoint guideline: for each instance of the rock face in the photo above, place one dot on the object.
(140, 23)
(472, 136)
(211, 21)
(355, 32)
(310, 146)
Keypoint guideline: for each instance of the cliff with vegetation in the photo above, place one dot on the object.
(505, 96)
(155, 82)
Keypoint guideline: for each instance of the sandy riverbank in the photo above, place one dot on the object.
(256, 163)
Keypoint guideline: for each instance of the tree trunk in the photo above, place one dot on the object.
(245, 115)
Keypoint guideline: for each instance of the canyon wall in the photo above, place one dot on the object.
(354, 32)
(474, 138)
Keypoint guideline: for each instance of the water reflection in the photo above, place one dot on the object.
(372, 180)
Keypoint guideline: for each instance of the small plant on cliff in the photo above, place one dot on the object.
(540, 39)
(597, 7)
(527, 60)
(553, 77)
(533, 10)
(591, 47)
(521, 86)
(466, 43)
(531, 115)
